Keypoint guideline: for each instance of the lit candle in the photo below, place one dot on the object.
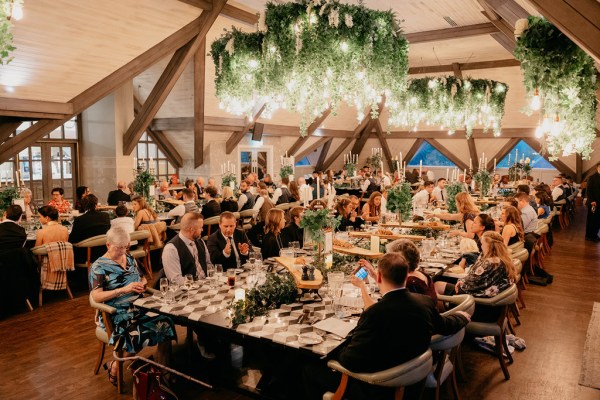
(447, 172)
(134, 162)
(494, 163)
(516, 156)
(381, 167)
(470, 163)
(509, 159)
(151, 162)
(420, 168)
(306, 189)
(465, 175)
(398, 167)
(240, 295)
(318, 189)
(400, 158)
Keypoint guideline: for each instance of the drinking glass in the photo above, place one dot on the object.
(349, 229)
(251, 258)
(218, 273)
(258, 260)
(210, 276)
(231, 277)
(295, 246)
(289, 253)
(188, 281)
(164, 286)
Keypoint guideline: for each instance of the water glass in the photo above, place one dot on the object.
(164, 286)
(188, 281)
(349, 229)
(251, 258)
(210, 276)
(218, 272)
(289, 253)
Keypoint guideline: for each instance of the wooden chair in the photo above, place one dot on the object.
(210, 224)
(283, 206)
(405, 374)
(497, 329)
(103, 337)
(246, 219)
(89, 243)
(143, 249)
(41, 252)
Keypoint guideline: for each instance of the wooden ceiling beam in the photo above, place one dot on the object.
(229, 10)
(7, 129)
(199, 88)
(384, 144)
(504, 150)
(451, 33)
(237, 136)
(464, 67)
(508, 10)
(337, 153)
(28, 137)
(323, 154)
(456, 70)
(472, 149)
(448, 154)
(314, 146)
(559, 165)
(460, 134)
(168, 79)
(413, 150)
(311, 129)
(34, 108)
(578, 19)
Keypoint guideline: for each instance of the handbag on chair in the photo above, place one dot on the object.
(148, 384)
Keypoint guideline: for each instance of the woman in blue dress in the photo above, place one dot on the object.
(116, 280)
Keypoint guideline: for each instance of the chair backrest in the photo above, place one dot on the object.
(508, 296)
(463, 302)
(518, 266)
(212, 220)
(94, 241)
(521, 255)
(283, 206)
(516, 246)
(442, 343)
(139, 235)
(39, 250)
(247, 213)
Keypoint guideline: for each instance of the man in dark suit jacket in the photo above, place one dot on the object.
(12, 235)
(396, 329)
(593, 206)
(228, 246)
(118, 195)
(90, 224)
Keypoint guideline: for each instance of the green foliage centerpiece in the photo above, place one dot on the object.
(452, 190)
(142, 182)
(520, 168)
(229, 179)
(278, 289)
(286, 171)
(313, 55)
(7, 195)
(315, 222)
(400, 200)
(484, 179)
(350, 169)
(375, 160)
(451, 103)
(562, 79)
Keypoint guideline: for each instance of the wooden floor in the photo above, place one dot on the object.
(49, 353)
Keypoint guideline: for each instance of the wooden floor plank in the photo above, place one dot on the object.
(49, 353)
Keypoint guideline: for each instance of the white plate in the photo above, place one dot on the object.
(309, 338)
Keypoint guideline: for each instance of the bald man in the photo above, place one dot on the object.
(118, 195)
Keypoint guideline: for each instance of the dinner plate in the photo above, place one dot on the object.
(309, 338)
(239, 270)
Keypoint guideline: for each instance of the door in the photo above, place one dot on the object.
(257, 160)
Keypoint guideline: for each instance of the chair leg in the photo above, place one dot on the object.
(28, 303)
(459, 364)
(505, 346)
(120, 373)
(499, 346)
(40, 297)
(510, 327)
(455, 385)
(69, 292)
(520, 295)
(339, 393)
(399, 393)
(515, 313)
(101, 348)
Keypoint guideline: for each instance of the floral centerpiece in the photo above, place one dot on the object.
(229, 179)
(484, 179)
(561, 78)
(315, 222)
(518, 169)
(400, 200)
(142, 182)
(452, 190)
(286, 171)
(278, 289)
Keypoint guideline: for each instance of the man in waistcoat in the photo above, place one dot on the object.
(188, 206)
(186, 253)
(282, 194)
(246, 199)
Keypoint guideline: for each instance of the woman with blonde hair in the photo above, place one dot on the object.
(273, 240)
(512, 231)
(229, 202)
(372, 209)
(143, 213)
(467, 211)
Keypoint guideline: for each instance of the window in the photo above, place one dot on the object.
(148, 153)
(430, 156)
(524, 151)
(304, 162)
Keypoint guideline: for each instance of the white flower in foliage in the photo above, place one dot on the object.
(348, 21)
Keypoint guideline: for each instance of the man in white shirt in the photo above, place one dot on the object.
(246, 199)
(163, 191)
(430, 175)
(385, 180)
(364, 186)
(439, 192)
(528, 214)
(186, 253)
(557, 188)
(189, 205)
(423, 198)
(306, 193)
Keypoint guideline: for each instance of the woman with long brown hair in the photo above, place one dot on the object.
(273, 240)
(345, 209)
(512, 232)
(143, 213)
(372, 209)
(467, 211)
(294, 191)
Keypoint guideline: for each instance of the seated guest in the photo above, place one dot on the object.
(246, 199)
(526, 189)
(186, 253)
(189, 205)
(228, 246)
(90, 224)
(52, 230)
(467, 211)
(163, 191)
(189, 184)
(439, 191)
(211, 208)
(268, 180)
(424, 197)
(558, 192)
(543, 204)
(282, 194)
(345, 209)
(366, 183)
(306, 194)
(200, 186)
(292, 231)
(294, 192)
(117, 281)
(212, 182)
(142, 211)
(529, 217)
(512, 231)
(119, 195)
(371, 211)
(28, 211)
(272, 241)
(62, 205)
(381, 339)
(80, 193)
(262, 205)
(355, 203)
(12, 235)
(123, 221)
(229, 202)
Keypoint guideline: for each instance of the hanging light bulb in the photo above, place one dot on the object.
(555, 126)
(539, 132)
(546, 124)
(536, 102)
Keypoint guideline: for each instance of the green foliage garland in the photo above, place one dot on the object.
(484, 179)
(277, 290)
(142, 183)
(6, 36)
(566, 80)
(316, 221)
(313, 55)
(400, 200)
(286, 170)
(452, 190)
(7, 196)
(227, 179)
(451, 103)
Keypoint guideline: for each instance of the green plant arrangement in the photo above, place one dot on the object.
(7, 195)
(142, 182)
(313, 55)
(315, 222)
(424, 232)
(341, 263)
(350, 169)
(6, 36)
(484, 179)
(278, 289)
(400, 200)
(451, 103)
(563, 76)
(452, 190)
(286, 171)
(228, 179)
(374, 161)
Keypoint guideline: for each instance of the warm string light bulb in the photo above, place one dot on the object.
(536, 102)
(556, 128)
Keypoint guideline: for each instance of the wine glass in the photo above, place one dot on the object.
(218, 273)
(164, 286)
(251, 258)
(258, 261)
(188, 281)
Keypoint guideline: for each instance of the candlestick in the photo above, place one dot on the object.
(447, 172)
(134, 162)
(470, 163)
(509, 160)
(400, 158)
(318, 189)
(420, 168)
(494, 163)
(516, 156)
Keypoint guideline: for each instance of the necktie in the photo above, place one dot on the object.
(194, 250)
(235, 252)
(442, 193)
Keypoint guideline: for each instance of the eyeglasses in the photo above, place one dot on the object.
(123, 248)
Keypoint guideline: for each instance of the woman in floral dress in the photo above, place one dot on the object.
(117, 281)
